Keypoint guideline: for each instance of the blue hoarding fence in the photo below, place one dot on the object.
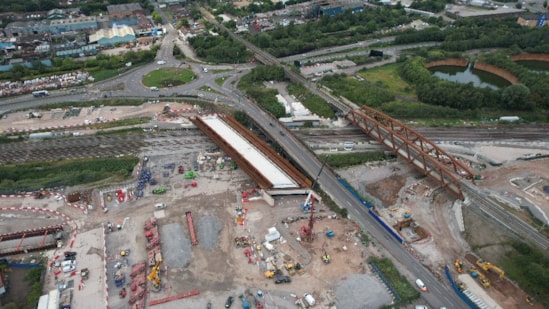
(457, 291)
(353, 192)
(370, 210)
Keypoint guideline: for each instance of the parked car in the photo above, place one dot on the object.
(160, 206)
(70, 253)
(282, 279)
(68, 263)
(161, 62)
(229, 302)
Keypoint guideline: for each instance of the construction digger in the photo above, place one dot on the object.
(291, 268)
(153, 276)
(459, 265)
(486, 266)
(326, 257)
(483, 280)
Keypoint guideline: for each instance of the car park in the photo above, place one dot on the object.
(229, 302)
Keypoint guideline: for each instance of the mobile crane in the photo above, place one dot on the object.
(307, 231)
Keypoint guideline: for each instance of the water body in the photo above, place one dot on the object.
(537, 66)
(465, 75)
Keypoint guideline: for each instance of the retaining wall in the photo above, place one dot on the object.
(533, 57)
(496, 71)
(450, 61)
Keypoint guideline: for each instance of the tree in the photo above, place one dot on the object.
(184, 22)
(545, 4)
(156, 17)
(516, 97)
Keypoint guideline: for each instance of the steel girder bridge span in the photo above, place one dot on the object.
(430, 159)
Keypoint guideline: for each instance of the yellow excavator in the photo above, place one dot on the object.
(459, 266)
(483, 280)
(486, 266)
(153, 276)
(326, 257)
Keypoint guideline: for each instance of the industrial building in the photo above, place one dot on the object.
(73, 24)
(124, 14)
(113, 36)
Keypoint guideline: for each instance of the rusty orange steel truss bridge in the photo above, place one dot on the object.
(413, 147)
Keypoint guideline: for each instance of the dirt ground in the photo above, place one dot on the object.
(56, 119)
(396, 190)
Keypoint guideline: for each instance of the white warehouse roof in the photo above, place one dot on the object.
(259, 160)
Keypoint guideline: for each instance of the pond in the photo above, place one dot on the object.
(538, 66)
(467, 74)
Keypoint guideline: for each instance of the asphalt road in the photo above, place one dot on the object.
(439, 293)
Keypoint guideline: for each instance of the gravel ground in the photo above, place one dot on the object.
(350, 293)
(208, 229)
(176, 245)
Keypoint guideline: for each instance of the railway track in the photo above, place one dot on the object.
(458, 134)
(480, 202)
(98, 146)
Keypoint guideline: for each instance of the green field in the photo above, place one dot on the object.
(168, 77)
(387, 77)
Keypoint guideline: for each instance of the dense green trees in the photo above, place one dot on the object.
(252, 85)
(219, 48)
(467, 34)
(33, 176)
(341, 29)
(530, 268)
(361, 93)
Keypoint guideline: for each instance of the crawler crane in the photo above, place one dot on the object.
(307, 231)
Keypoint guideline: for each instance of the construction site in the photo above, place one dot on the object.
(199, 225)
(219, 217)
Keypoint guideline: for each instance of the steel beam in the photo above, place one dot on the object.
(246, 166)
(413, 147)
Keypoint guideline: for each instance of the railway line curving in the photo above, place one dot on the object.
(481, 203)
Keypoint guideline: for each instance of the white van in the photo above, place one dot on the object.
(160, 206)
(68, 263)
(421, 285)
(309, 299)
(68, 269)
